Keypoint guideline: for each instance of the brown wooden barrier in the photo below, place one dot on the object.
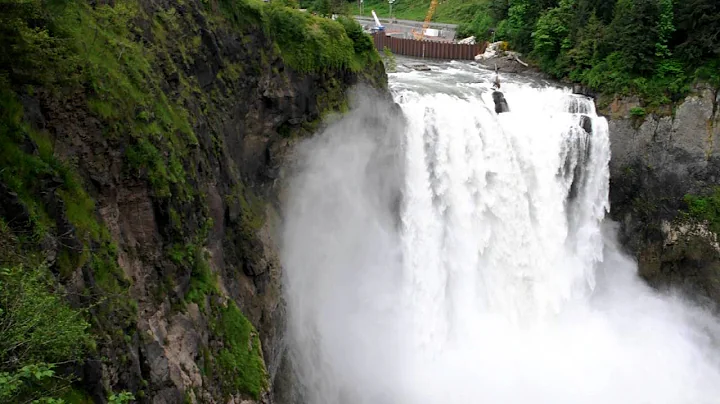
(427, 49)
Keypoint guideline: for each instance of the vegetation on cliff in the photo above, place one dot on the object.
(38, 332)
(127, 79)
(706, 208)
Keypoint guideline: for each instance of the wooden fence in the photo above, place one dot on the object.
(427, 49)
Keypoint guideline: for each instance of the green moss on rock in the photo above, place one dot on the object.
(706, 208)
(239, 362)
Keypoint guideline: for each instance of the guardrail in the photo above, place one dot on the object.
(427, 49)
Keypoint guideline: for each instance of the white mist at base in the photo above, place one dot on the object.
(459, 256)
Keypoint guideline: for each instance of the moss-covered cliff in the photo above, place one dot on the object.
(141, 143)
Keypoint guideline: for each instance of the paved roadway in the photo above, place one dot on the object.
(407, 26)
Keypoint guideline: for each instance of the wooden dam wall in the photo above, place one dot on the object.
(427, 49)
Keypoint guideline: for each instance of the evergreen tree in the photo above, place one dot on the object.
(633, 34)
(498, 9)
(586, 52)
(698, 30)
(553, 36)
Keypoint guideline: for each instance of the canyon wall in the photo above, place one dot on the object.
(665, 170)
(143, 145)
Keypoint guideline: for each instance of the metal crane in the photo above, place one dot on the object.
(428, 17)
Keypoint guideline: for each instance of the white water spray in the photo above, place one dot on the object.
(459, 256)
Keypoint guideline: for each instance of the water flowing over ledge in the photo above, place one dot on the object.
(454, 255)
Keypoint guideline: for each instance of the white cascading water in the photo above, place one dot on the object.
(447, 254)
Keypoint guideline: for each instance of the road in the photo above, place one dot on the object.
(405, 27)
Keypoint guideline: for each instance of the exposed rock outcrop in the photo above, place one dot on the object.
(656, 161)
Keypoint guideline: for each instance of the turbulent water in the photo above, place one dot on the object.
(442, 253)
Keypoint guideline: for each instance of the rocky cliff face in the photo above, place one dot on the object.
(175, 140)
(656, 162)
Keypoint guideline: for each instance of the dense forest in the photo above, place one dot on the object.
(650, 47)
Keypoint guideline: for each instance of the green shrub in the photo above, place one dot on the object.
(710, 72)
(121, 398)
(290, 3)
(202, 279)
(706, 208)
(390, 62)
(637, 112)
(35, 383)
(362, 42)
(329, 7)
(38, 330)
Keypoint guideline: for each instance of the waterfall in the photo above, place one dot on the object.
(447, 254)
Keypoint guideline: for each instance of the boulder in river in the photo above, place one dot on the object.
(420, 67)
(586, 123)
(500, 102)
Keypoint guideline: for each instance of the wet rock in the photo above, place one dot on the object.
(687, 258)
(168, 396)
(656, 161)
(158, 362)
(420, 68)
(500, 102)
(586, 123)
(583, 90)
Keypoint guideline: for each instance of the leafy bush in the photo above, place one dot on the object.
(480, 28)
(637, 112)
(362, 42)
(121, 398)
(390, 62)
(329, 7)
(31, 382)
(38, 330)
(710, 72)
(290, 3)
